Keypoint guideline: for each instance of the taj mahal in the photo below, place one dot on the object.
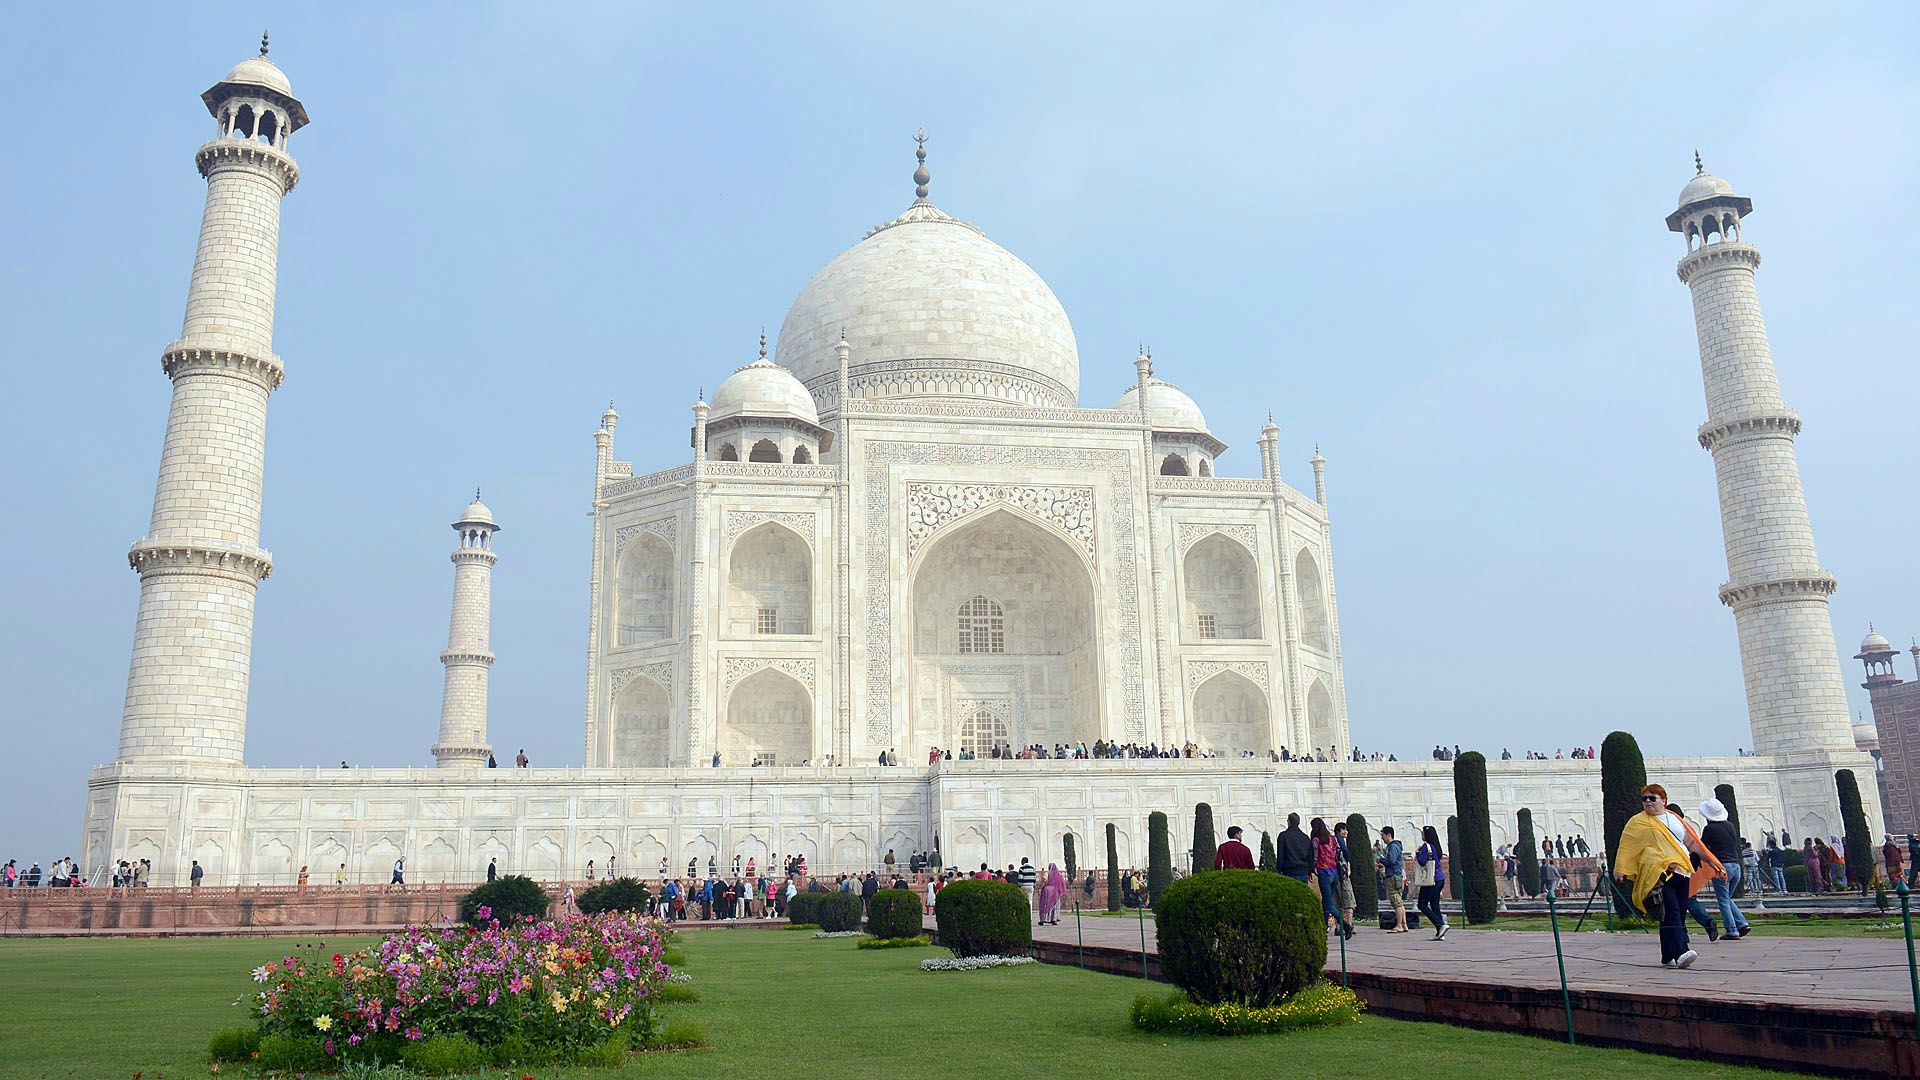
(901, 537)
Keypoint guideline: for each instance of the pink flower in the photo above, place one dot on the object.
(413, 1033)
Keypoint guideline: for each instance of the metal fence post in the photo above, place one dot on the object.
(1913, 971)
(1566, 1000)
(1079, 939)
(1143, 941)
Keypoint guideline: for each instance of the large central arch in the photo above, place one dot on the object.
(1230, 717)
(1002, 616)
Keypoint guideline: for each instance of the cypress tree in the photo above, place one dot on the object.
(1066, 854)
(1473, 859)
(1269, 860)
(1203, 845)
(1159, 856)
(1724, 792)
(1113, 869)
(1452, 855)
(1366, 880)
(1623, 772)
(1859, 840)
(1529, 855)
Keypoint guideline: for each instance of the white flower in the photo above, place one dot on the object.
(260, 973)
(839, 933)
(973, 963)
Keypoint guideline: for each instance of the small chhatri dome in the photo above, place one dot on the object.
(1168, 408)
(476, 512)
(763, 388)
(1875, 642)
(260, 71)
(1704, 185)
(1866, 734)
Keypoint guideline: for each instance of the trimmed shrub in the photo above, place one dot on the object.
(1366, 877)
(1113, 869)
(441, 1055)
(984, 918)
(1797, 877)
(801, 909)
(1529, 855)
(1858, 838)
(1269, 860)
(1453, 861)
(1724, 792)
(893, 913)
(1240, 936)
(1473, 857)
(1159, 857)
(1203, 846)
(290, 1055)
(1623, 772)
(838, 912)
(510, 898)
(682, 1033)
(1066, 856)
(620, 894)
(233, 1044)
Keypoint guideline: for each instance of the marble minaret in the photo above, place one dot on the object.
(469, 655)
(1776, 588)
(201, 560)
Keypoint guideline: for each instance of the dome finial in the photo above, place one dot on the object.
(763, 343)
(263, 43)
(476, 493)
(1699, 167)
(921, 177)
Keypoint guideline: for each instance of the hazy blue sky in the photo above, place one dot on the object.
(1432, 243)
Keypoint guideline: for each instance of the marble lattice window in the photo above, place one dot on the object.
(983, 627)
(767, 621)
(1209, 625)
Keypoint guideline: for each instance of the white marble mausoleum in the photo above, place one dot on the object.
(898, 531)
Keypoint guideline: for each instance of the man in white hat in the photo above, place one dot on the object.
(1723, 840)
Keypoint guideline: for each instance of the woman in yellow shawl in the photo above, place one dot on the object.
(1657, 852)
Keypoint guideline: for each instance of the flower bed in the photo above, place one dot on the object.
(1320, 1005)
(973, 963)
(577, 990)
(916, 942)
(839, 933)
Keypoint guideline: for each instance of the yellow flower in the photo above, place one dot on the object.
(559, 1003)
(324, 1023)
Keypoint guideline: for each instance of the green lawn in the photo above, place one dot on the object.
(775, 1004)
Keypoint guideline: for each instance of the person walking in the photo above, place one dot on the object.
(1656, 859)
(340, 875)
(1326, 868)
(1393, 868)
(1294, 852)
(1431, 878)
(1719, 837)
(399, 871)
(493, 868)
(194, 876)
(1051, 891)
(1028, 879)
(1816, 874)
(1510, 875)
(1232, 855)
(1890, 854)
(1344, 886)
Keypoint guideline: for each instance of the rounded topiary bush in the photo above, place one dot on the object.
(620, 894)
(1241, 936)
(985, 918)
(893, 913)
(838, 912)
(511, 897)
(1797, 878)
(801, 909)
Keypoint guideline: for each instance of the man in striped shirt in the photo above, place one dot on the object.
(1027, 877)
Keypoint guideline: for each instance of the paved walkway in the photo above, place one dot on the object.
(1829, 972)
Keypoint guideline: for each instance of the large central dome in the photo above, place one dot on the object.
(932, 309)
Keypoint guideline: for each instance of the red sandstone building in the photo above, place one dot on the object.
(1894, 736)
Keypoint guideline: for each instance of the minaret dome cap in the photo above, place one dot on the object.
(1875, 642)
(477, 513)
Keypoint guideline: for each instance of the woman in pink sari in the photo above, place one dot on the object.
(1051, 891)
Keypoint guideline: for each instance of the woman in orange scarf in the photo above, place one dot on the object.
(1657, 853)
